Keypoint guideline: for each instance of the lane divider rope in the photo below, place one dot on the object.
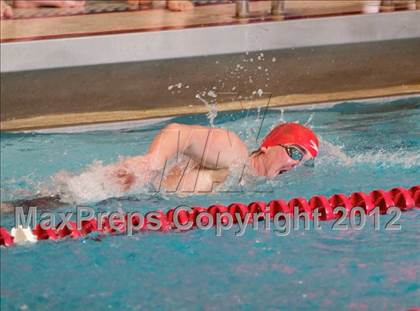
(399, 197)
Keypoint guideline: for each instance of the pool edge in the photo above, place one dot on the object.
(74, 119)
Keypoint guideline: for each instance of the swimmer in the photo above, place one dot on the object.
(208, 154)
(212, 152)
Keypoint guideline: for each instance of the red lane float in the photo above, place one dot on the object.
(402, 198)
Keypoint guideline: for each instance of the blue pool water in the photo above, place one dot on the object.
(364, 146)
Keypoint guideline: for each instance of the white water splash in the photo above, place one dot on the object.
(401, 157)
(212, 93)
(176, 85)
(95, 184)
(212, 107)
(309, 119)
(91, 185)
(282, 120)
(330, 152)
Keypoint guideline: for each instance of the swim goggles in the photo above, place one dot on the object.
(296, 153)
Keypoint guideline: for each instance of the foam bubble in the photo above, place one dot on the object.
(94, 184)
(97, 183)
(212, 107)
(400, 157)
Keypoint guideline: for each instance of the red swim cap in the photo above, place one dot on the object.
(292, 134)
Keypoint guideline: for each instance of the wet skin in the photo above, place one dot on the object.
(211, 152)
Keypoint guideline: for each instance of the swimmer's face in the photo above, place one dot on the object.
(277, 160)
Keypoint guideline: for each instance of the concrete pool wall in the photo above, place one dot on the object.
(364, 58)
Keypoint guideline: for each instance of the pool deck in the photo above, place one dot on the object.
(120, 37)
(111, 17)
(325, 51)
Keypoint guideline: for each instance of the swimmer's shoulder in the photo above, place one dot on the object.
(230, 140)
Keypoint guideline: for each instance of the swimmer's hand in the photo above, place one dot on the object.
(133, 170)
(124, 178)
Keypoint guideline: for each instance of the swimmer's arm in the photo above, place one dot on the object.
(211, 147)
(163, 147)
